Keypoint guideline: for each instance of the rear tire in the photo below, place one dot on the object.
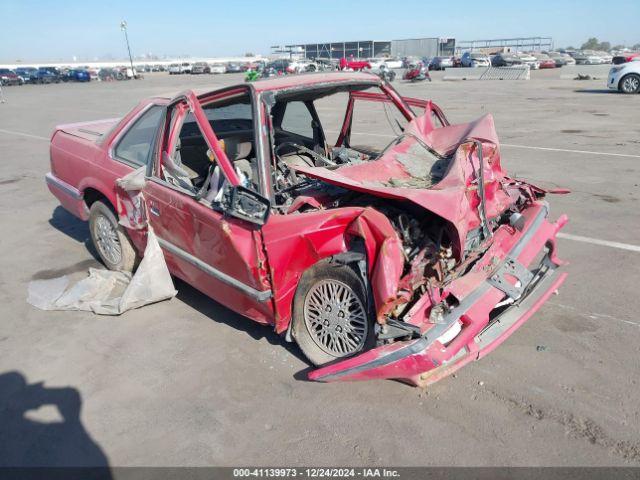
(331, 318)
(630, 83)
(110, 239)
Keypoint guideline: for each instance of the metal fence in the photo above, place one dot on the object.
(519, 72)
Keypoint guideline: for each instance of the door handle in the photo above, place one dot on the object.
(153, 208)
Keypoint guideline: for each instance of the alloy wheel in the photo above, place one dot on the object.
(631, 84)
(107, 240)
(336, 318)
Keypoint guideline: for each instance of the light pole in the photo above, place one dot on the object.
(123, 27)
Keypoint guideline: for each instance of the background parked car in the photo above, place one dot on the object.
(505, 60)
(93, 73)
(528, 59)
(376, 63)
(108, 74)
(301, 66)
(440, 63)
(544, 60)
(179, 68)
(393, 63)
(200, 67)
(605, 56)
(474, 59)
(324, 65)
(28, 74)
(588, 57)
(280, 66)
(218, 68)
(9, 77)
(233, 68)
(49, 75)
(557, 57)
(76, 75)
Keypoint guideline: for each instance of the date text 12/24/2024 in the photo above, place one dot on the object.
(315, 473)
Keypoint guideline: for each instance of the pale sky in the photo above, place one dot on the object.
(34, 30)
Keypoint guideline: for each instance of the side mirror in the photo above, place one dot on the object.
(247, 205)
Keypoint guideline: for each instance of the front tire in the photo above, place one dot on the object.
(110, 240)
(630, 83)
(331, 318)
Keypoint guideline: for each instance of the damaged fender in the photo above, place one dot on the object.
(316, 236)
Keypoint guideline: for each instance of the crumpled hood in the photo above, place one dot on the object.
(435, 169)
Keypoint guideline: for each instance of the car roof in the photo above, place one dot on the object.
(313, 79)
(286, 82)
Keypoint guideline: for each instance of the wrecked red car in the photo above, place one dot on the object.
(401, 260)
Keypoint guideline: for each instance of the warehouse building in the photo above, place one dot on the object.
(423, 47)
(335, 50)
(417, 47)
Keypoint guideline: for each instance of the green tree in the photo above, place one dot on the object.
(591, 44)
(606, 46)
(636, 46)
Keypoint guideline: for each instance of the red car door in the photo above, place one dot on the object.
(219, 255)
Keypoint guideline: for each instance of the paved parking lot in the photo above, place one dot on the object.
(188, 382)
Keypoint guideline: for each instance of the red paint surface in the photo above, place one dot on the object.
(274, 257)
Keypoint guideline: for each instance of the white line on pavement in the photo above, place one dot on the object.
(565, 150)
(38, 137)
(594, 315)
(597, 241)
(530, 147)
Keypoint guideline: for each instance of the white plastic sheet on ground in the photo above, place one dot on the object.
(106, 292)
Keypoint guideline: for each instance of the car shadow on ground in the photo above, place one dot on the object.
(595, 90)
(32, 436)
(73, 227)
(219, 313)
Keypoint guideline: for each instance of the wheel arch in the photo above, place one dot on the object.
(366, 240)
(635, 74)
(92, 195)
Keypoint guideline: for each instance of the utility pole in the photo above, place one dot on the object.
(123, 27)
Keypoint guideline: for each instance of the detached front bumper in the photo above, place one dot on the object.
(510, 270)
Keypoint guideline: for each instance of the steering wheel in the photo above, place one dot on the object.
(302, 149)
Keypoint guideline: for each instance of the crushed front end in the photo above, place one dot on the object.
(473, 314)
(478, 248)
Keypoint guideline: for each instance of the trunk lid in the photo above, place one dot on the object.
(92, 131)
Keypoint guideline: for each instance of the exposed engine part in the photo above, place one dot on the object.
(288, 185)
